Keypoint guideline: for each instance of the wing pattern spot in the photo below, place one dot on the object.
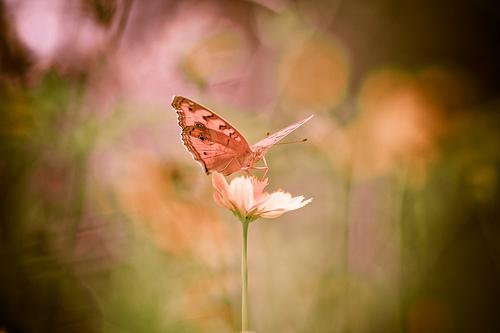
(206, 138)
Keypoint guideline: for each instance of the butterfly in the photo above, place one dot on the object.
(218, 145)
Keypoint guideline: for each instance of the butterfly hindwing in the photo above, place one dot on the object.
(212, 141)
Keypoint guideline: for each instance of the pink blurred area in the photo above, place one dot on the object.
(148, 53)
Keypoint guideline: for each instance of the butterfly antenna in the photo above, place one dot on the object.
(298, 141)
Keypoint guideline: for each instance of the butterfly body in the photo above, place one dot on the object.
(216, 144)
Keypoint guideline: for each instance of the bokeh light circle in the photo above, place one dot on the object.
(315, 73)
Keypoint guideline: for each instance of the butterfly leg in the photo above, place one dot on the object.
(265, 167)
(230, 161)
(247, 170)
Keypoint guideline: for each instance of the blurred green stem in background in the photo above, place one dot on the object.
(244, 277)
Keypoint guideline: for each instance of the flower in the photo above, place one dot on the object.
(246, 198)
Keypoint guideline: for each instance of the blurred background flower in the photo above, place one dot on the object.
(108, 225)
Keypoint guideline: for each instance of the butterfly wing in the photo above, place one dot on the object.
(212, 141)
(274, 138)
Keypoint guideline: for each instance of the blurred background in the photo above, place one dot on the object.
(108, 225)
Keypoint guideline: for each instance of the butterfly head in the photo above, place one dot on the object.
(258, 153)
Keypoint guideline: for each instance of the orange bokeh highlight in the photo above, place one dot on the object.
(216, 57)
(398, 123)
(148, 196)
(315, 73)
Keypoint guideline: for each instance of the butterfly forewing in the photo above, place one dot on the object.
(274, 138)
(212, 141)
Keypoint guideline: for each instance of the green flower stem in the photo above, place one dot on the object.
(244, 277)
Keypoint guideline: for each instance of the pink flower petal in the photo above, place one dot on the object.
(222, 201)
(278, 203)
(246, 198)
(273, 214)
(258, 188)
(220, 183)
(241, 193)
